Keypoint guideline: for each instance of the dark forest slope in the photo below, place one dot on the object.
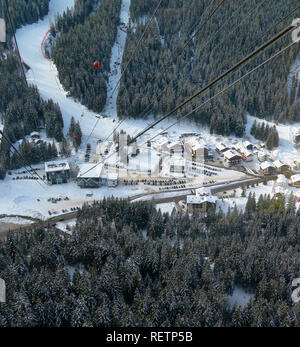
(24, 11)
(87, 35)
(159, 77)
(121, 279)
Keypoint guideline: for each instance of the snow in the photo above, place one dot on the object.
(166, 207)
(116, 61)
(89, 170)
(27, 198)
(240, 297)
(15, 220)
(63, 226)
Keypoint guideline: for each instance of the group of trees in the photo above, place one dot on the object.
(86, 34)
(158, 77)
(75, 133)
(33, 153)
(129, 265)
(266, 133)
(23, 12)
(22, 110)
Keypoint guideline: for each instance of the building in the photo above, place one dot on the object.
(177, 165)
(244, 152)
(57, 172)
(266, 168)
(35, 135)
(262, 156)
(161, 145)
(248, 145)
(295, 181)
(202, 203)
(221, 148)
(112, 179)
(196, 149)
(232, 158)
(280, 166)
(89, 175)
(175, 147)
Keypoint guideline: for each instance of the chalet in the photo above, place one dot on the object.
(280, 166)
(35, 135)
(89, 175)
(221, 148)
(232, 158)
(295, 181)
(248, 145)
(244, 152)
(57, 172)
(262, 156)
(201, 203)
(295, 165)
(266, 168)
(177, 165)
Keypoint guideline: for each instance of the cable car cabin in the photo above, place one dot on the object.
(57, 172)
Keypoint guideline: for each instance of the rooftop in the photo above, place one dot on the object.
(56, 166)
(265, 165)
(89, 170)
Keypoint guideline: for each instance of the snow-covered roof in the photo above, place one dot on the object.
(247, 143)
(175, 144)
(295, 178)
(265, 165)
(196, 199)
(278, 164)
(221, 146)
(230, 154)
(89, 170)
(34, 133)
(52, 166)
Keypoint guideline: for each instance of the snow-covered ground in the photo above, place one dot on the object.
(166, 208)
(240, 297)
(66, 226)
(15, 220)
(286, 150)
(27, 198)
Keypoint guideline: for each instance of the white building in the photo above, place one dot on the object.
(112, 179)
(89, 175)
(57, 172)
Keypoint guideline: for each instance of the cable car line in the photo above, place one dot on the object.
(25, 161)
(137, 46)
(176, 84)
(227, 88)
(200, 26)
(212, 83)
